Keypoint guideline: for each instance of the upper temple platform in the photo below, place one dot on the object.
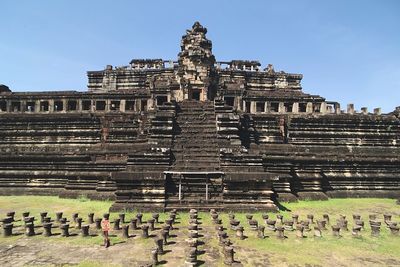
(144, 84)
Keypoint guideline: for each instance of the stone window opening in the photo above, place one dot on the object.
(15, 106)
(302, 107)
(72, 105)
(161, 99)
(248, 106)
(86, 104)
(101, 105)
(317, 107)
(144, 105)
(3, 106)
(130, 105)
(260, 107)
(115, 105)
(44, 106)
(288, 107)
(30, 106)
(58, 106)
(274, 107)
(229, 100)
(196, 95)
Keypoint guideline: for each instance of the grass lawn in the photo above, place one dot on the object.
(292, 251)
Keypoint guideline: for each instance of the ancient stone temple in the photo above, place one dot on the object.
(160, 134)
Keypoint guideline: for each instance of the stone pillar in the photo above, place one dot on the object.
(364, 110)
(51, 105)
(377, 111)
(64, 230)
(281, 107)
(65, 103)
(85, 230)
(253, 108)
(295, 108)
(145, 231)
(47, 229)
(337, 108)
(125, 231)
(29, 229)
(90, 218)
(323, 109)
(350, 108)
(59, 215)
(108, 104)
(122, 104)
(309, 107)
(37, 106)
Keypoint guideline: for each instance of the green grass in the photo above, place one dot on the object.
(325, 251)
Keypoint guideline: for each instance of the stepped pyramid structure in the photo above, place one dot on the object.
(195, 133)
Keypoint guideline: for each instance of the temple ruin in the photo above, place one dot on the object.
(195, 133)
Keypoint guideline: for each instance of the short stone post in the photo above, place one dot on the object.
(64, 230)
(159, 243)
(164, 235)
(154, 257)
(279, 218)
(280, 232)
(74, 217)
(317, 231)
(336, 230)
(78, 223)
(47, 229)
(125, 231)
(121, 217)
(11, 214)
(98, 223)
(271, 224)
(321, 224)
(375, 230)
(299, 230)
(85, 230)
(116, 224)
(229, 255)
(139, 217)
(133, 224)
(155, 216)
(29, 229)
(63, 220)
(145, 231)
(260, 231)
(191, 258)
(387, 217)
(59, 215)
(394, 229)
(359, 223)
(43, 214)
(326, 218)
(295, 218)
(7, 229)
(169, 223)
(356, 217)
(90, 218)
(25, 214)
(239, 232)
(253, 225)
(265, 217)
(249, 217)
(150, 223)
(356, 232)
(288, 225)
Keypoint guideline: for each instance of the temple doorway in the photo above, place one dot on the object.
(195, 95)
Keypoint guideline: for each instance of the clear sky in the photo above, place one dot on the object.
(348, 51)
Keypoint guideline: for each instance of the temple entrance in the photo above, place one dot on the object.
(193, 189)
(195, 95)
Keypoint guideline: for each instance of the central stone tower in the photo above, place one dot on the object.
(196, 66)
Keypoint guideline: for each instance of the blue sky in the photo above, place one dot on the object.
(348, 51)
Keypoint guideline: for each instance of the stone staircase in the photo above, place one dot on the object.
(196, 164)
(195, 145)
